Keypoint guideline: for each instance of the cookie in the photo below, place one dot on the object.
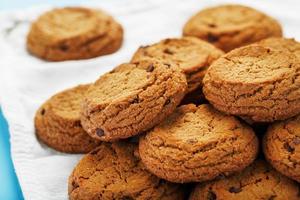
(197, 144)
(231, 26)
(191, 54)
(282, 44)
(256, 83)
(57, 122)
(257, 182)
(281, 147)
(111, 171)
(131, 99)
(73, 33)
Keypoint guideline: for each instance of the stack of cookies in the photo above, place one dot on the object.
(186, 116)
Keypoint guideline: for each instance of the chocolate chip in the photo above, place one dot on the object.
(211, 195)
(221, 176)
(272, 197)
(192, 141)
(150, 68)
(296, 141)
(136, 100)
(167, 64)
(212, 25)
(77, 123)
(167, 102)
(43, 111)
(74, 185)
(100, 132)
(168, 51)
(234, 190)
(64, 47)
(288, 147)
(212, 38)
(258, 180)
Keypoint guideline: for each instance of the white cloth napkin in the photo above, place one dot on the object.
(26, 81)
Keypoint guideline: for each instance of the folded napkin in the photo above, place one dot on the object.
(26, 82)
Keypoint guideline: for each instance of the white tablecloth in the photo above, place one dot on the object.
(26, 81)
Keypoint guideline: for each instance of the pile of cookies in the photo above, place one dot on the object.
(186, 116)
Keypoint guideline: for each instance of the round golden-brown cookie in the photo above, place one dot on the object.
(231, 26)
(256, 83)
(57, 122)
(131, 99)
(257, 182)
(197, 144)
(73, 33)
(282, 44)
(111, 171)
(191, 54)
(281, 147)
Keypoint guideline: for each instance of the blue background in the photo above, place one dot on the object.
(9, 186)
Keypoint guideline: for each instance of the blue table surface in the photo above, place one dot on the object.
(9, 186)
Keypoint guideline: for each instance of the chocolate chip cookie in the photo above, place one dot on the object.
(256, 83)
(231, 26)
(197, 144)
(281, 146)
(57, 122)
(131, 99)
(258, 181)
(73, 33)
(191, 54)
(111, 171)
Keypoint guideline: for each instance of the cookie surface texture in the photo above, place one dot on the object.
(197, 144)
(131, 99)
(282, 44)
(255, 82)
